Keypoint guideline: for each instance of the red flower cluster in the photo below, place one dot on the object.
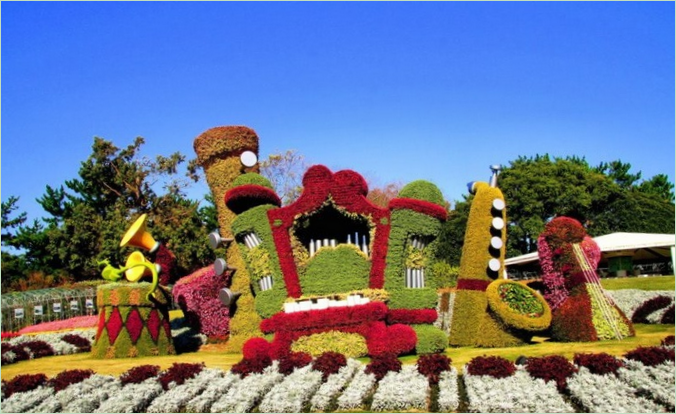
(139, 374)
(243, 197)
(329, 363)
(651, 355)
(494, 366)
(411, 316)
(197, 296)
(600, 364)
(289, 362)
(641, 313)
(23, 383)
(420, 206)
(66, 378)
(551, 368)
(179, 373)
(432, 365)
(380, 365)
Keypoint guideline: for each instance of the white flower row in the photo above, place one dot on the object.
(22, 402)
(334, 384)
(518, 393)
(403, 390)
(178, 396)
(657, 381)
(244, 395)
(628, 300)
(608, 394)
(355, 393)
(449, 399)
(290, 395)
(214, 391)
(54, 339)
(93, 391)
(132, 398)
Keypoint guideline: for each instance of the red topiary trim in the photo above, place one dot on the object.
(420, 206)
(114, 325)
(348, 191)
(153, 324)
(473, 284)
(243, 197)
(334, 318)
(134, 325)
(411, 316)
(256, 348)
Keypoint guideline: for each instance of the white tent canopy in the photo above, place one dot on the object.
(641, 246)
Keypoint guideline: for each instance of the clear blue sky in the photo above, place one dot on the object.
(395, 91)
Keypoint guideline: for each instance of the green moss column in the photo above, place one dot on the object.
(129, 324)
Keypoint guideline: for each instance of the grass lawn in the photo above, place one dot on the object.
(641, 283)
(213, 355)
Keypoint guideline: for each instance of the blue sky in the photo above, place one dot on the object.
(395, 91)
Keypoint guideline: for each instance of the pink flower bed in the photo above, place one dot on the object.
(79, 322)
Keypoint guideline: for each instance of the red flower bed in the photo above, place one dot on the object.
(24, 382)
(651, 355)
(243, 197)
(139, 374)
(641, 313)
(329, 363)
(179, 373)
(494, 366)
(432, 365)
(382, 364)
(551, 368)
(289, 362)
(69, 377)
(600, 364)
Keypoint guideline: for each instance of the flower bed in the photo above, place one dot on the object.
(628, 385)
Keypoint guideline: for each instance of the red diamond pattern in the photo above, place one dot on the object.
(154, 324)
(134, 325)
(114, 325)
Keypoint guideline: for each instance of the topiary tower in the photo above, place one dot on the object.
(582, 312)
(490, 312)
(219, 151)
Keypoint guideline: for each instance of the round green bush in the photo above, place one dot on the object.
(252, 178)
(423, 190)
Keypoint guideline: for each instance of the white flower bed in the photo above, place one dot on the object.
(403, 390)
(334, 384)
(177, 397)
(449, 399)
(628, 300)
(54, 340)
(290, 395)
(657, 381)
(360, 386)
(92, 390)
(22, 402)
(132, 398)
(214, 391)
(244, 395)
(518, 393)
(608, 394)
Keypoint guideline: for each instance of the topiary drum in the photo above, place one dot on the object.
(129, 324)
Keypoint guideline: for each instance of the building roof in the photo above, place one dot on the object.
(641, 246)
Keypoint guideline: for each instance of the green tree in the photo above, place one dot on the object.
(89, 214)
(659, 186)
(13, 264)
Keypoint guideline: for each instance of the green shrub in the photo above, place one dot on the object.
(405, 298)
(445, 275)
(430, 339)
(252, 178)
(270, 301)
(423, 190)
(339, 269)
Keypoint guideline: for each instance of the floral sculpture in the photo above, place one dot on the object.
(332, 267)
(134, 315)
(581, 309)
(490, 311)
